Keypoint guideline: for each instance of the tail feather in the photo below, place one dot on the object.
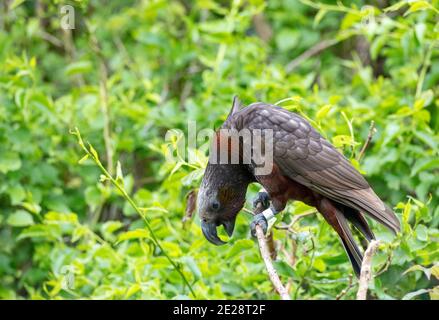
(354, 253)
(366, 201)
(359, 222)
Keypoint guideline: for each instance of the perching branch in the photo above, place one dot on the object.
(366, 270)
(265, 253)
(266, 256)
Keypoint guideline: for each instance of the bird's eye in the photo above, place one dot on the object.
(215, 205)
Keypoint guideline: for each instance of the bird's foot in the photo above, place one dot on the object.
(258, 219)
(263, 199)
(263, 219)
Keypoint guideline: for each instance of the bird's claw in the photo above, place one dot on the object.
(258, 219)
(263, 199)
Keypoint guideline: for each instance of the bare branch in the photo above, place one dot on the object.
(366, 270)
(266, 256)
(346, 290)
(50, 38)
(316, 49)
(265, 253)
(294, 220)
(386, 264)
(269, 239)
(191, 206)
(262, 27)
(372, 131)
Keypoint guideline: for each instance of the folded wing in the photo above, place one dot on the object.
(306, 157)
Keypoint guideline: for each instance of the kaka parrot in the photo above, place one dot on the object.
(305, 167)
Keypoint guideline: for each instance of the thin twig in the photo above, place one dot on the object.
(248, 211)
(311, 263)
(366, 270)
(294, 220)
(50, 38)
(191, 206)
(262, 27)
(91, 153)
(316, 49)
(130, 63)
(372, 131)
(386, 264)
(271, 245)
(70, 49)
(425, 65)
(266, 256)
(291, 257)
(346, 290)
(265, 253)
(351, 131)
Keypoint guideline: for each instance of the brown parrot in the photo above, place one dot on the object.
(305, 167)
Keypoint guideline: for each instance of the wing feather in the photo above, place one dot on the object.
(306, 157)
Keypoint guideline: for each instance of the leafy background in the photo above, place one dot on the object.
(132, 70)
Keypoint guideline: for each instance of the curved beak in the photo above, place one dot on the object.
(210, 232)
(229, 226)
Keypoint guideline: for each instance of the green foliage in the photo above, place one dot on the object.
(132, 70)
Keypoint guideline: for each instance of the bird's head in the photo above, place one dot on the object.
(224, 185)
(220, 198)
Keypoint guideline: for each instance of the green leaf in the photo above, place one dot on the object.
(79, 232)
(377, 44)
(79, 67)
(192, 265)
(134, 234)
(396, 6)
(411, 295)
(323, 112)
(83, 159)
(31, 207)
(421, 232)
(319, 16)
(9, 161)
(53, 216)
(239, 246)
(343, 140)
(287, 39)
(427, 139)
(20, 218)
(47, 232)
(319, 264)
(15, 3)
(420, 29)
(93, 152)
(17, 194)
(172, 249)
(418, 267)
(417, 6)
(119, 174)
(110, 227)
(434, 293)
(132, 290)
(423, 165)
(93, 197)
